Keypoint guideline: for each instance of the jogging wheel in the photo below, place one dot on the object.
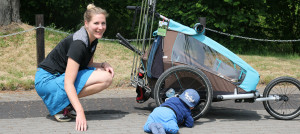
(181, 78)
(287, 107)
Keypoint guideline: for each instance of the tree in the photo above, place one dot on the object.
(9, 11)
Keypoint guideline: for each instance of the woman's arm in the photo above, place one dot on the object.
(103, 65)
(96, 65)
(70, 77)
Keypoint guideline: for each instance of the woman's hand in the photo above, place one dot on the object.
(108, 68)
(81, 124)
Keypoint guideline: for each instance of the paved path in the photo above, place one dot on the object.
(115, 111)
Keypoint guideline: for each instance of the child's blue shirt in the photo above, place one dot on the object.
(182, 111)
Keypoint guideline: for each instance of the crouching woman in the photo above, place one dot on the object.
(69, 71)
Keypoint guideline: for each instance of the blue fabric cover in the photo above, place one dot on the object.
(151, 59)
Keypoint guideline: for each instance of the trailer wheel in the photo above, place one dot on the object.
(288, 90)
(181, 78)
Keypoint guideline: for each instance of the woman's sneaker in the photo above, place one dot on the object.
(72, 112)
(62, 116)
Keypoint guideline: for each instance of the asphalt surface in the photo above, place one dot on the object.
(114, 111)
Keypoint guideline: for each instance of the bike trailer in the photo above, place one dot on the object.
(183, 45)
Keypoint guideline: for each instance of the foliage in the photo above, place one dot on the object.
(286, 21)
(264, 19)
(68, 15)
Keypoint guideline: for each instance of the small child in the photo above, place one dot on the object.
(173, 112)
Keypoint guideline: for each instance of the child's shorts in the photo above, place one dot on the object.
(51, 88)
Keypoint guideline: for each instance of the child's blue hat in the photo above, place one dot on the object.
(190, 97)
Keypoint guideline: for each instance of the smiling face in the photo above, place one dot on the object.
(96, 27)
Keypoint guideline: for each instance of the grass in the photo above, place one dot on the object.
(18, 60)
(271, 67)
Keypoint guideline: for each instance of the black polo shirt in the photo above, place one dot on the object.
(75, 46)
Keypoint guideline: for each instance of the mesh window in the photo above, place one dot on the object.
(190, 51)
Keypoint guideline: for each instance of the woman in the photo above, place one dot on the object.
(69, 71)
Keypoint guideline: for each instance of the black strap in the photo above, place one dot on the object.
(171, 109)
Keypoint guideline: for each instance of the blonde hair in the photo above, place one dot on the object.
(91, 10)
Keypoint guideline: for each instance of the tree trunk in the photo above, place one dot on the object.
(15, 11)
(9, 11)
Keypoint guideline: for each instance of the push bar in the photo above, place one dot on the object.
(125, 43)
(133, 7)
